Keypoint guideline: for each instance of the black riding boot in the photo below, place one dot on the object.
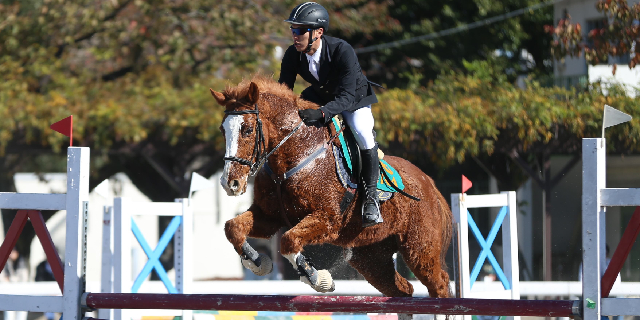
(370, 171)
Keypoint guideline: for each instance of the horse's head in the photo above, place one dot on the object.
(242, 129)
(260, 115)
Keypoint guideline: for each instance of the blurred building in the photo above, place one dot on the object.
(574, 72)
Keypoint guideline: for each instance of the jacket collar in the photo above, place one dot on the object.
(325, 62)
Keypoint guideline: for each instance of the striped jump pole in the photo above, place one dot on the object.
(357, 304)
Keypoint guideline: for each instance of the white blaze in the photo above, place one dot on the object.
(231, 125)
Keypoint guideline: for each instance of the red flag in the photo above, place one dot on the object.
(466, 184)
(65, 126)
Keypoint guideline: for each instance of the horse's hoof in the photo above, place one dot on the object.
(324, 282)
(266, 265)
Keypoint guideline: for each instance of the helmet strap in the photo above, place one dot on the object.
(311, 41)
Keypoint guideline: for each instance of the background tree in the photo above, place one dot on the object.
(135, 75)
(504, 41)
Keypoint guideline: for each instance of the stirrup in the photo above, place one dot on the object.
(371, 218)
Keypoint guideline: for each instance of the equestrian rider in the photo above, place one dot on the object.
(338, 85)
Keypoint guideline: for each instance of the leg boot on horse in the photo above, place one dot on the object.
(370, 171)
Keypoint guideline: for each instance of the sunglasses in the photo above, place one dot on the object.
(299, 31)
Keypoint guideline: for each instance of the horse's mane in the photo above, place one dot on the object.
(266, 85)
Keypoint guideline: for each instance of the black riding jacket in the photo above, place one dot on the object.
(342, 85)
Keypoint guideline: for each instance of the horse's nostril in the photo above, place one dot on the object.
(234, 185)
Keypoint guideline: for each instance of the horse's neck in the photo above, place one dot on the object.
(300, 145)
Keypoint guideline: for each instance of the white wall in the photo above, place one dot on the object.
(215, 257)
(629, 78)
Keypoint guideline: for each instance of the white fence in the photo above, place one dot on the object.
(508, 275)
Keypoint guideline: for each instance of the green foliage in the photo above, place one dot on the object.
(460, 116)
(135, 75)
(413, 18)
(104, 120)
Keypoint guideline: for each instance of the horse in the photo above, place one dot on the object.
(296, 185)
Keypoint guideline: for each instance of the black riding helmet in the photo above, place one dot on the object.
(310, 14)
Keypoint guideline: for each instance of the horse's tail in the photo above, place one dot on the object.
(446, 217)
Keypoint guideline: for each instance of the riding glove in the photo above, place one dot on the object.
(311, 116)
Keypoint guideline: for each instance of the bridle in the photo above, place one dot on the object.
(259, 147)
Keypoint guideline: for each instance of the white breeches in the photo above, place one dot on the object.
(361, 123)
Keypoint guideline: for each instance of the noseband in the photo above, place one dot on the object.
(259, 147)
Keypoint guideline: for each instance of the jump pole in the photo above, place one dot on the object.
(595, 198)
(357, 304)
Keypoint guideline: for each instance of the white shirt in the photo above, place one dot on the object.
(314, 61)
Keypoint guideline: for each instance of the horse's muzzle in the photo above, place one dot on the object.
(234, 187)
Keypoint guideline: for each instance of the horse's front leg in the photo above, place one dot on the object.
(313, 229)
(254, 224)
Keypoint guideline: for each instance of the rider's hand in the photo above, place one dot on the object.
(311, 116)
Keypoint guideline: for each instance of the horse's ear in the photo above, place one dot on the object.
(220, 98)
(253, 94)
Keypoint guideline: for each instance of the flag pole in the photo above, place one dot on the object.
(71, 131)
(604, 120)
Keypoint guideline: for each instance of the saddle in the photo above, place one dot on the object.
(349, 164)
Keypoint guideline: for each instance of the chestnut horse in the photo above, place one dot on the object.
(266, 138)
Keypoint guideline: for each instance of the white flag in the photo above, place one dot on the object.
(613, 117)
(199, 182)
(103, 189)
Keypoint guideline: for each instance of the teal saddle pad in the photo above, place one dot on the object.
(345, 155)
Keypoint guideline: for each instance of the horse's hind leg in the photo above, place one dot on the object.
(375, 263)
(426, 264)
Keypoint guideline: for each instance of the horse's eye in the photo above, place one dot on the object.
(247, 131)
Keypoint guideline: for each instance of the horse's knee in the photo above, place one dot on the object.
(289, 244)
(234, 234)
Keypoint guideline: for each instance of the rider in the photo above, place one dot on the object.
(338, 85)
